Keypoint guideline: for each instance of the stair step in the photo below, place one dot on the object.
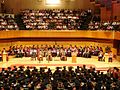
(20, 23)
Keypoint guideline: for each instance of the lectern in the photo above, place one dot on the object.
(106, 57)
(74, 54)
(4, 56)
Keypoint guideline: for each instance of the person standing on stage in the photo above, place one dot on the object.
(40, 56)
(58, 52)
(33, 53)
(38, 50)
(0, 55)
(110, 57)
(21, 53)
(28, 51)
(85, 51)
(63, 57)
(5, 52)
(80, 51)
(100, 56)
(88, 55)
(54, 52)
(49, 55)
(69, 52)
(25, 51)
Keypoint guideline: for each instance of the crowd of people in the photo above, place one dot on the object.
(81, 78)
(56, 19)
(63, 19)
(54, 51)
(7, 22)
(115, 25)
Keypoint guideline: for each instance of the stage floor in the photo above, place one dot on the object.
(26, 61)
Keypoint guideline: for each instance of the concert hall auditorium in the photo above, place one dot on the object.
(59, 44)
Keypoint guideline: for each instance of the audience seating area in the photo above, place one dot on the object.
(7, 22)
(82, 78)
(115, 25)
(41, 76)
(56, 19)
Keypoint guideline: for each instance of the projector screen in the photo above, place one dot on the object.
(53, 2)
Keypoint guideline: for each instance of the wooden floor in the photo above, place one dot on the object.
(103, 66)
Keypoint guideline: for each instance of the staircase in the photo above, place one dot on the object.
(19, 21)
(86, 22)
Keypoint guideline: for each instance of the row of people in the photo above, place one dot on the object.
(104, 25)
(102, 56)
(49, 52)
(56, 19)
(55, 50)
(81, 78)
(7, 22)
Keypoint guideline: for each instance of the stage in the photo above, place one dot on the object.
(56, 62)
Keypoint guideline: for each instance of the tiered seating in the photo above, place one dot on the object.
(81, 78)
(104, 25)
(7, 22)
(56, 19)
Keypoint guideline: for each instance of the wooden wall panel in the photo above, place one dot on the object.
(0, 5)
(17, 5)
(105, 14)
(56, 34)
(108, 15)
(5, 45)
(116, 10)
(80, 38)
(117, 35)
(64, 43)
